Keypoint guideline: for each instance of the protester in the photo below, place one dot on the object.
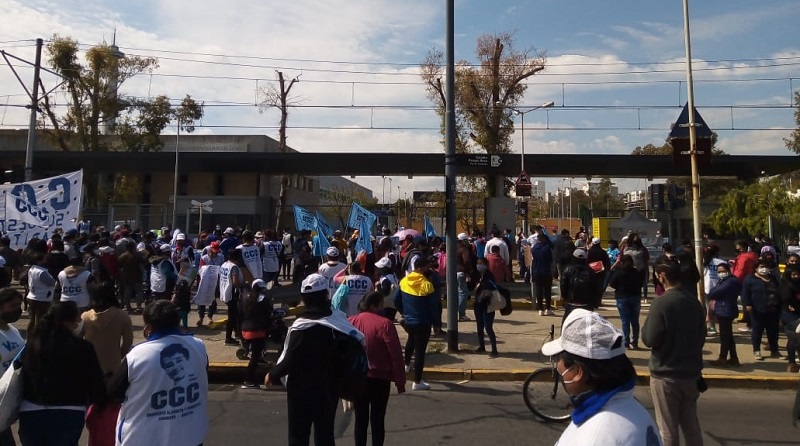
(132, 266)
(628, 293)
(331, 268)
(675, 331)
(542, 274)
(484, 319)
(61, 376)
(163, 274)
(166, 373)
(109, 329)
(417, 302)
(577, 284)
(723, 298)
(465, 268)
(12, 342)
(387, 285)
(41, 287)
(233, 281)
(304, 363)
(208, 292)
(255, 310)
(72, 284)
(761, 300)
(358, 285)
(385, 357)
(599, 379)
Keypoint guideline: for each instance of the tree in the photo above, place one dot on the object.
(279, 98)
(793, 141)
(709, 187)
(746, 211)
(339, 201)
(95, 104)
(484, 93)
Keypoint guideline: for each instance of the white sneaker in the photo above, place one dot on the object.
(541, 313)
(422, 385)
(408, 368)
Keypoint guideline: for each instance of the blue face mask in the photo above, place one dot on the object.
(481, 268)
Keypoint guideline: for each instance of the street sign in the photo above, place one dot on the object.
(204, 206)
(523, 185)
(481, 160)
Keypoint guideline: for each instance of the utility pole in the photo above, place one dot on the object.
(34, 110)
(450, 179)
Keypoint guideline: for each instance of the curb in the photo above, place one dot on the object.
(228, 372)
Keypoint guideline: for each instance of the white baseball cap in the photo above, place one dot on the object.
(595, 241)
(463, 236)
(383, 262)
(579, 253)
(165, 247)
(332, 251)
(314, 283)
(588, 335)
(180, 236)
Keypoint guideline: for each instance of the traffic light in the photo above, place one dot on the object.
(676, 197)
(522, 209)
(657, 197)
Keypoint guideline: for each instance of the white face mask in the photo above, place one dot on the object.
(762, 271)
(722, 275)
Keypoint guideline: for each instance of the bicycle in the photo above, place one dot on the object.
(543, 393)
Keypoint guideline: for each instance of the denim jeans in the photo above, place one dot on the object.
(53, 427)
(463, 293)
(629, 308)
(485, 320)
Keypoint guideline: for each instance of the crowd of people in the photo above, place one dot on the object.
(80, 289)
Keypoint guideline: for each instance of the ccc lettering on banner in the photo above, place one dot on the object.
(175, 397)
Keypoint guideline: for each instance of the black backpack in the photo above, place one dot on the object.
(580, 285)
(348, 367)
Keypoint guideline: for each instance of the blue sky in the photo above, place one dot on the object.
(357, 62)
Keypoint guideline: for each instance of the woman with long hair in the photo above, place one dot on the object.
(385, 356)
(61, 377)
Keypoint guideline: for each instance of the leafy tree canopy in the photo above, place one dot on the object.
(746, 211)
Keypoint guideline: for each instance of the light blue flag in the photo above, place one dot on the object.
(363, 243)
(304, 220)
(429, 231)
(320, 242)
(358, 214)
(323, 225)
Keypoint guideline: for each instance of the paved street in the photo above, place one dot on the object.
(484, 413)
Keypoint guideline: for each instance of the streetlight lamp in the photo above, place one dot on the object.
(522, 114)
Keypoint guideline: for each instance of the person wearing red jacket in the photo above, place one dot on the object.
(745, 262)
(385, 357)
(743, 266)
(497, 265)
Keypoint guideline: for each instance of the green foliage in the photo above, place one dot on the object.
(497, 78)
(746, 211)
(793, 141)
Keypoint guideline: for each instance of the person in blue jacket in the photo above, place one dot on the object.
(723, 297)
(418, 302)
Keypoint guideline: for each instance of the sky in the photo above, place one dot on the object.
(615, 70)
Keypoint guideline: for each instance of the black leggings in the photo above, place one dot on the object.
(416, 344)
(307, 406)
(727, 345)
(370, 409)
(232, 325)
(212, 309)
(256, 347)
(543, 291)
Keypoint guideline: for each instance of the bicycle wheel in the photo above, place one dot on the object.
(544, 396)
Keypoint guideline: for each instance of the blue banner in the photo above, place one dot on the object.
(429, 231)
(358, 215)
(323, 226)
(363, 243)
(304, 220)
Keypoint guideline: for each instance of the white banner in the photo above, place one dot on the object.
(34, 209)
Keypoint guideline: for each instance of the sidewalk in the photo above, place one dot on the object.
(520, 336)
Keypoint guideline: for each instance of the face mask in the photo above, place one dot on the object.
(12, 316)
(722, 275)
(762, 271)
(481, 268)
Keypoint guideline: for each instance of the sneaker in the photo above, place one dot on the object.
(734, 362)
(200, 323)
(757, 356)
(494, 355)
(463, 318)
(793, 367)
(777, 355)
(743, 329)
(541, 312)
(248, 385)
(548, 312)
(231, 342)
(711, 332)
(480, 350)
(408, 368)
(422, 385)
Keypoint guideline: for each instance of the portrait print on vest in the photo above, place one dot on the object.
(180, 400)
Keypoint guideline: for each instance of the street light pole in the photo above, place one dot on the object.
(383, 191)
(522, 114)
(175, 179)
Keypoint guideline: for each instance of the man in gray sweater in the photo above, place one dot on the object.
(675, 331)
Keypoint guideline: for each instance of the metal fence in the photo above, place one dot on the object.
(145, 216)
